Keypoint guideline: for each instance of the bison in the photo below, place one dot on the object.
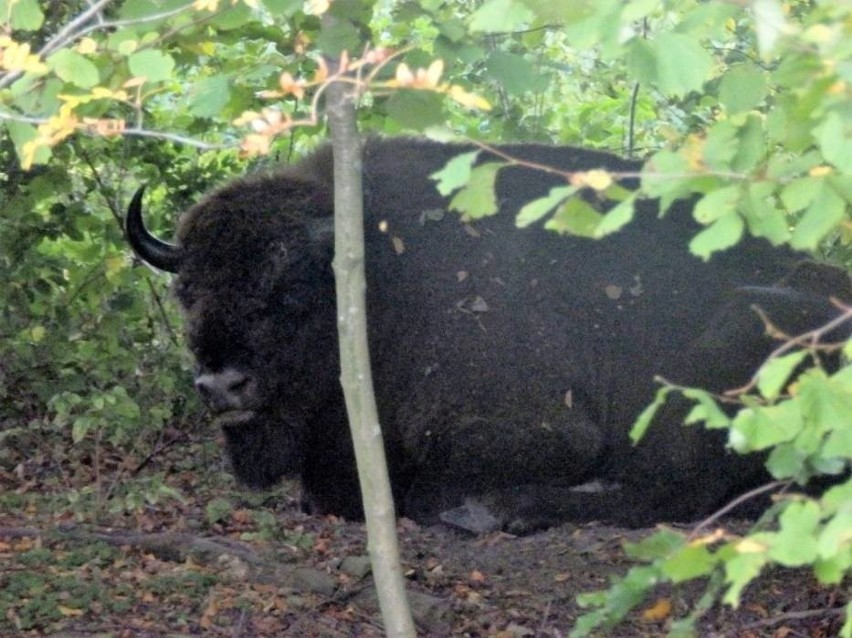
(509, 364)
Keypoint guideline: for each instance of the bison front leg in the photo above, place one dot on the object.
(486, 473)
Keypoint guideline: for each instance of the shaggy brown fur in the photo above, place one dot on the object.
(509, 364)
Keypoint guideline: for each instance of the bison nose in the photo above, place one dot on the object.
(228, 389)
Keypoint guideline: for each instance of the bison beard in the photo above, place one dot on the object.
(509, 364)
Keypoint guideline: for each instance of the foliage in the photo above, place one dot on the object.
(743, 105)
(807, 430)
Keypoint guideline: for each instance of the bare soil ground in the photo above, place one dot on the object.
(199, 557)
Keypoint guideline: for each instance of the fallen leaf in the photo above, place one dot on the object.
(613, 292)
(660, 610)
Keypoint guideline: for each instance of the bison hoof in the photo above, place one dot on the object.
(473, 517)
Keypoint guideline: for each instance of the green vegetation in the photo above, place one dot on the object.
(746, 105)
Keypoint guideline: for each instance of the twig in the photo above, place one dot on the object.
(76, 29)
(165, 316)
(180, 139)
(796, 615)
(634, 96)
(137, 131)
(742, 498)
(809, 340)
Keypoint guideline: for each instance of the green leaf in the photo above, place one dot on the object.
(832, 570)
(773, 375)
(706, 410)
(576, 216)
(826, 400)
(153, 65)
(723, 233)
(208, 97)
(683, 65)
(233, 17)
(26, 15)
(798, 194)
(836, 537)
(416, 109)
(72, 67)
(763, 217)
(795, 542)
(769, 23)
(846, 630)
(616, 218)
(751, 148)
(839, 443)
(643, 421)
(515, 73)
(477, 199)
(533, 211)
(788, 461)
(340, 36)
(742, 88)
(716, 204)
(837, 497)
(499, 15)
(826, 211)
(744, 567)
(641, 59)
(455, 174)
(283, 8)
(660, 544)
(721, 146)
(691, 561)
(21, 133)
(834, 137)
(758, 428)
(141, 9)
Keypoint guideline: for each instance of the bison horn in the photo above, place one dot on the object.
(153, 251)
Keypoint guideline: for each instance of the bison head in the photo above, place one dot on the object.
(253, 275)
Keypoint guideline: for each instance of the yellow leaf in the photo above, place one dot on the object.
(16, 57)
(255, 145)
(37, 333)
(750, 546)
(660, 610)
(820, 171)
(470, 100)
(404, 76)
(246, 117)
(433, 73)
(318, 7)
(132, 83)
(69, 611)
(598, 179)
(708, 539)
(87, 46)
(321, 74)
(205, 5)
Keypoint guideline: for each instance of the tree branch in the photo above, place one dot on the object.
(355, 374)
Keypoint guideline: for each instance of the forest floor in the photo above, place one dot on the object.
(94, 546)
